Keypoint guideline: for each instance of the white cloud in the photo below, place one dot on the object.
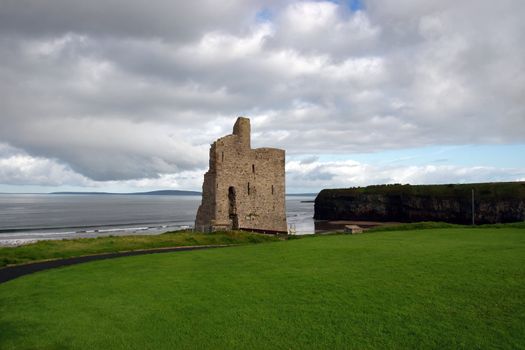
(324, 26)
(218, 47)
(182, 180)
(306, 174)
(311, 176)
(18, 168)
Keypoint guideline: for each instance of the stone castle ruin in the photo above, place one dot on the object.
(244, 187)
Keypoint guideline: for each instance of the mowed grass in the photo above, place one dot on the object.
(438, 288)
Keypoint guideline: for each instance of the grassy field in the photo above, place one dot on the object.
(57, 249)
(437, 288)
(426, 225)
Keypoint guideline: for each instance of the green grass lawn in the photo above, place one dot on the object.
(438, 288)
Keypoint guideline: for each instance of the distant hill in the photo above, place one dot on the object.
(168, 193)
(150, 193)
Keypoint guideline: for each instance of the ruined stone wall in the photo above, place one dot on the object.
(244, 188)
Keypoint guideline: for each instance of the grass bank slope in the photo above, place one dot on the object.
(435, 288)
(66, 248)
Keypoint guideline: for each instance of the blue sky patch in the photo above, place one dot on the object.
(264, 15)
(356, 5)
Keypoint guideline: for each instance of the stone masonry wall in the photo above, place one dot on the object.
(244, 188)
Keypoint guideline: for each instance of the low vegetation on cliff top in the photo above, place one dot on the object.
(439, 288)
(489, 190)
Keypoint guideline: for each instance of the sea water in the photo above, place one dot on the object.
(26, 217)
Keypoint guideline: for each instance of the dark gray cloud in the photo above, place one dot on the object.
(176, 20)
(119, 90)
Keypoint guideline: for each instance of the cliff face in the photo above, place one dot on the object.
(493, 203)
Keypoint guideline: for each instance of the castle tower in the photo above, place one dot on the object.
(242, 129)
(244, 188)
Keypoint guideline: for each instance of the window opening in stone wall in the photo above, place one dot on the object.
(253, 168)
(222, 157)
(232, 208)
(272, 189)
(248, 188)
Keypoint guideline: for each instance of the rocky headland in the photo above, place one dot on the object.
(493, 203)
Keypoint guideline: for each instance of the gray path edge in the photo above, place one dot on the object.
(11, 272)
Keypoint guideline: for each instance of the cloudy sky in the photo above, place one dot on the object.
(119, 95)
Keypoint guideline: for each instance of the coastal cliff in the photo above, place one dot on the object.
(493, 203)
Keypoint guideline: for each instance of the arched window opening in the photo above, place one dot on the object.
(232, 208)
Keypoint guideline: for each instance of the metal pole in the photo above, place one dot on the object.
(473, 222)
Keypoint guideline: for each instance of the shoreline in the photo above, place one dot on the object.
(16, 239)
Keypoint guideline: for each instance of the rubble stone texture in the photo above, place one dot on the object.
(244, 188)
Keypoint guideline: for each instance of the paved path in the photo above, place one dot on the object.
(11, 272)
